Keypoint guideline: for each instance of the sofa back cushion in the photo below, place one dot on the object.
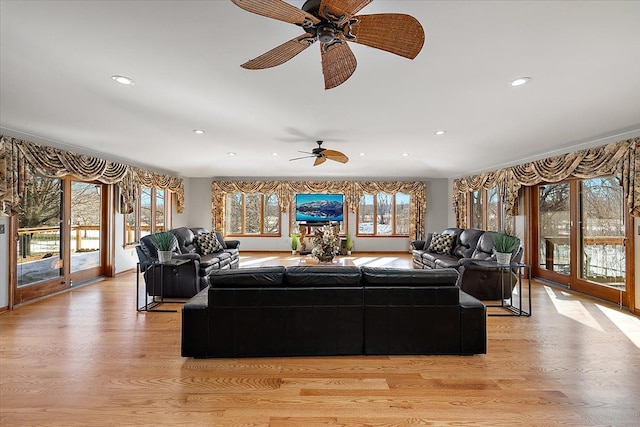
(414, 277)
(255, 277)
(467, 241)
(186, 240)
(322, 276)
(485, 247)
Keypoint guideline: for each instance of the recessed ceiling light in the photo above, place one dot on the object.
(231, 153)
(361, 154)
(274, 154)
(405, 154)
(198, 131)
(520, 81)
(123, 80)
(440, 132)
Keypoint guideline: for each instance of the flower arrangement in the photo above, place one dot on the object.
(326, 243)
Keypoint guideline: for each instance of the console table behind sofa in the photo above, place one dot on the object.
(321, 311)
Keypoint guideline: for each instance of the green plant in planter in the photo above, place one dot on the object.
(294, 242)
(349, 243)
(504, 243)
(164, 241)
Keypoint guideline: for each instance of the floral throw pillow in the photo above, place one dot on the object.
(441, 243)
(208, 243)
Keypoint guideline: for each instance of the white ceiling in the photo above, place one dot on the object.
(57, 59)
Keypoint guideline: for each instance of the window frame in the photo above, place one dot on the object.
(393, 215)
(263, 198)
(137, 216)
(484, 201)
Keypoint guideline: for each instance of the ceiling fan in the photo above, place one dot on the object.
(322, 154)
(334, 23)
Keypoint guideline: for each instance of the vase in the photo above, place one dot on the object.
(325, 258)
(503, 258)
(164, 256)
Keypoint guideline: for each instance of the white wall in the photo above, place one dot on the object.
(197, 204)
(4, 262)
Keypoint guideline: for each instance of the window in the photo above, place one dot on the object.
(252, 214)
(485, 210)
(149, 215)
(384, 214)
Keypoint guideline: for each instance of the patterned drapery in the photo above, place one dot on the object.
(621, 159)
(352, 190)
(21, 160)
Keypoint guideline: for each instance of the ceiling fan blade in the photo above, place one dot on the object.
(281, 54)
(335, 155)
(305, 157)
(338, 63)
(394, 32)
(341, 10)
(319, 160)
(277, 9)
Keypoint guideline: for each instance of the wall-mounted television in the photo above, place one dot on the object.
(319, 207)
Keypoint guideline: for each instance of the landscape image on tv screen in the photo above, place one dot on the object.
(319, 207)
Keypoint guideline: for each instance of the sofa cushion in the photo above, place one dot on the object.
(467, 241)
(248, 277)
(319, 276)
(485, 248)
(388, 276)
(441, 243)
(220, 238)
(186, 240)
(208, 243)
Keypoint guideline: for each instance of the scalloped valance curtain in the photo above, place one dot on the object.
(352, 190)
(21, 161)
(620, 159)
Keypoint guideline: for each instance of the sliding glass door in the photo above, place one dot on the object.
(580, 236)
(60, 236)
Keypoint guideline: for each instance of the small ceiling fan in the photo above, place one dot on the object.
(334, 23)
(322, 154)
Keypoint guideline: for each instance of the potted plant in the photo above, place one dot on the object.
(294, 243)
(164, 242)
(348, 245)
(504, 245)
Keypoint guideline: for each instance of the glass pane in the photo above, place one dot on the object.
(130, 225)
(271, 214)
(145, 211)
(252, 213)
(160, 216)
(365, 215)
(554, 226)
(233, 214)
(602, 232)
(384, 207)
(39, 237)
(493, 223)
(85, 225)
(402, 213)
(476, 209)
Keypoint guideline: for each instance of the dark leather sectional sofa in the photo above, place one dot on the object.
(469, 245)
(186, 280)
(332, 310)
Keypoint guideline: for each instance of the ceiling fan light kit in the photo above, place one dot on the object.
(333, 23)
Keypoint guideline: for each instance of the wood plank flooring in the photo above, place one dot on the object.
(87, 358)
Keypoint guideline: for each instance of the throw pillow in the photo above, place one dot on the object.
(208, 243)
(441, 243)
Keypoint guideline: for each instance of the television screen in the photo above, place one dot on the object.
(319, 207)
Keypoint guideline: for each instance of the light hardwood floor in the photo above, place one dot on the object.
(87, 358)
